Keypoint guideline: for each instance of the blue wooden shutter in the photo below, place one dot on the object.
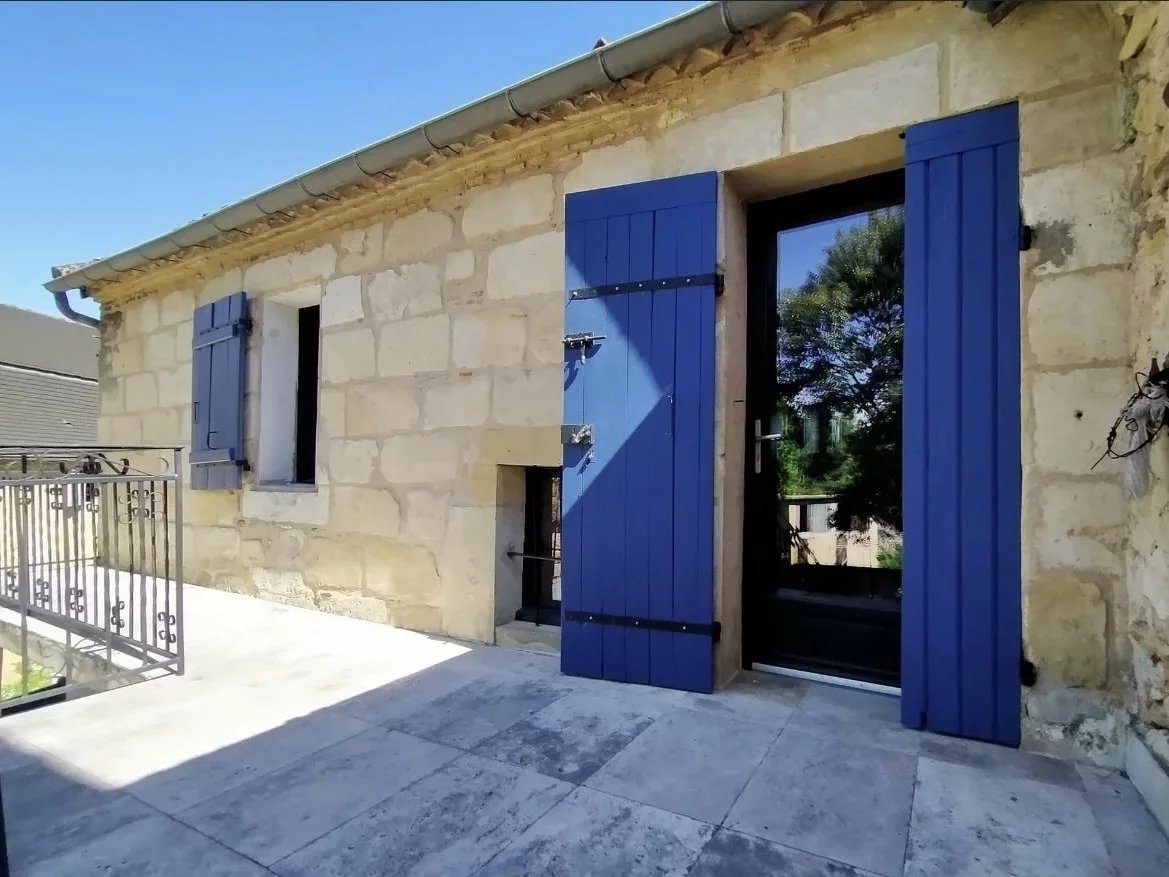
(638, 502)
(961, 643)
(218, 378)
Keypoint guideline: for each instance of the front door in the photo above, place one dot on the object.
(824, 522)
(637, 550)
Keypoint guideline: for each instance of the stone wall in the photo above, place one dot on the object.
(1145, 57)
(442, 328)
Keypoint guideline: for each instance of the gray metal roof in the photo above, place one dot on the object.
(595, 70)
(50, 344)
(40, 408)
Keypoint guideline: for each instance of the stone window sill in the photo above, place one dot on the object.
(284, 487)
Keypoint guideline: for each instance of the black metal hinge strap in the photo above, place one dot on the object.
(683, 282)
(712, 630)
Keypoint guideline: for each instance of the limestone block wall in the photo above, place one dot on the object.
(1145, 58)
(442, 325)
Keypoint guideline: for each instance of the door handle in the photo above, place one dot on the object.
(760, 438)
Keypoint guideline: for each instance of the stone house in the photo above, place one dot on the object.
(430, 269)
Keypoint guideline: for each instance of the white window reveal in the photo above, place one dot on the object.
(289, 388)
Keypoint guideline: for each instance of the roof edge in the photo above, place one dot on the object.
(596, 69)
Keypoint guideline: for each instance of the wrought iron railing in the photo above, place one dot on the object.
(90, 569)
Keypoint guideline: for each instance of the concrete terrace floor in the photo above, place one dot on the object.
(305, 744)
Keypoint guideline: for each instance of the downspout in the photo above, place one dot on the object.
(66, 309)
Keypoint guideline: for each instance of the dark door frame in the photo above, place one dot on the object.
(765, 220)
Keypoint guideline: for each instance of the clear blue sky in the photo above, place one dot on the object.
(123, 121)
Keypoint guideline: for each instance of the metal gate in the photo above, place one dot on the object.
(90, 569)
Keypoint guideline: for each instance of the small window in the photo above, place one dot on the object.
(541, 570)
(289, 387)
(305, 465)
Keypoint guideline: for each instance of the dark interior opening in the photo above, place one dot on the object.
(541, 557)
(308, 345)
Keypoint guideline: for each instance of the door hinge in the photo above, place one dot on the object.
(1026, 235)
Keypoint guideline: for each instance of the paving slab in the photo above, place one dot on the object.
(762, 698)
(154, 847)
(570, 739)
(590, 832)
(192, 782)
(47, 812)
(1132, 836)
(853, 703)
(973, 822)
(689, 762)
(1001, 760)
(731, 854)
(849, 804)
(469, 715)
(449, 823)
(863, 730)
(280, 812)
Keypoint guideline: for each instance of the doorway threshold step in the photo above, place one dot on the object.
(529, 637)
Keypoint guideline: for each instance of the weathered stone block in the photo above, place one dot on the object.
(174, 386)
(1078, 318)
(282, 586)
(517, 446)
(361, 249)
(125, 430)
(331, 413)
(885, 94)
(353, 606)
(1081, 526)
(289, 507)
(628, 162)
(407, 291)
(113, 395)
(352, 461)
(1049, 46)
(341, 302)
(126, 357)
(1073, 412)
(1064, 629)
(161, 427)
(529, 398)
(335, 565)
(347, 356)
(176, 307)
(184, 335)
(212, 508)
(546, 333)
(159, 350)
(141, 392)
(1070, 127)
(426, 619)
(379, 408)
(291, 269)
(401, 572)
(460, 265)
(368, 510)
(231, 280)
(408, 347)
(533, 266)
(425, 515)
(141, 317)
(463, 401)
(417, 235)
(488, 337)
(515, 205)
(417, 459)
(467, 566)
(745, 134)
(1080, 214)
